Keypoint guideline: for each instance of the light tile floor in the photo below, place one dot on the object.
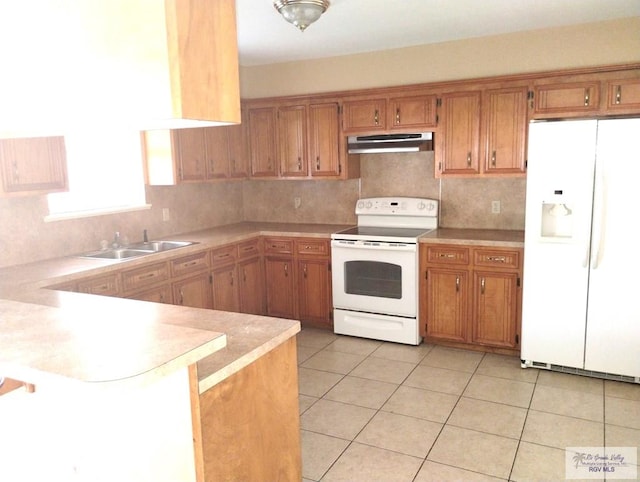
(377, 411)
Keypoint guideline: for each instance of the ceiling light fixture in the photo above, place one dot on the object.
(301, 13)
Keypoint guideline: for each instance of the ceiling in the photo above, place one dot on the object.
(356, 26)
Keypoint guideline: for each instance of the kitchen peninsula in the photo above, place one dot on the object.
(122, 389)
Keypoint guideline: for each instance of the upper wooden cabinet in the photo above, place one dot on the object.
(262, 141)
(457, 149)
(324, 140)
(292, 141)
(34, 165)
(412, 112)
(623, 96)
(574, 99)
(504, 130)
(364, 115)
(194, 155)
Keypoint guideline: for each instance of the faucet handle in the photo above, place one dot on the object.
(145, 238)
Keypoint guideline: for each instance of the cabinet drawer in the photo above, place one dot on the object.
(107, 285)
(145, 276)
(447, 255)
(190, 264)
(315, 247)
(224, 255)
(497, 258)
(278, 245)
(249, 249)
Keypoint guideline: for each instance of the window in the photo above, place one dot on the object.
(105, 175)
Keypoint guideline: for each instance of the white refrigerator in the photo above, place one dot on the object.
(581, 288)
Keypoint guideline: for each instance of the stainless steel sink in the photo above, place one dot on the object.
(157, 246)
(120, 253)
(136, 250)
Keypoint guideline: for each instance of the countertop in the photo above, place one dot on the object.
(44, 332)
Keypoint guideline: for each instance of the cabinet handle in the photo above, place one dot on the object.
(497, 259)
(376, 118)
(398, 115)
(181, 297)
(447, 255)
(233, 165)
(299, 164)
(482, 285)
(618, 94)
(468, 159)
(190, 263)
(231, 276)
(304, 270)
(146, 276)
(16, 172)
(286, 269)
(457, 284)
(244, 274)
(318, 163)
(586, 96)
(493, 159)
(161, 297)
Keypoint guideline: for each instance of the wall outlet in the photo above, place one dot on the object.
(297, 202)
(166, 215)
(495, 207)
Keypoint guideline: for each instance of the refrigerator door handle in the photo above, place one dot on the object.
(598, 232)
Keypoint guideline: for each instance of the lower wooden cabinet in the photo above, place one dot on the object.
(280, 286)
(158, 294)
(225, 292)
(194, 291)
(251, 290)
(471, 296)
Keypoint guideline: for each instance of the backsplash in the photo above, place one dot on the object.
(465, 203)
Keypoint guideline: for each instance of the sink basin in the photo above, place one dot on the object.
(123, 253)
(157, 246)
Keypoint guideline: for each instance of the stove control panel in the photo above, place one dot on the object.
(397, 206)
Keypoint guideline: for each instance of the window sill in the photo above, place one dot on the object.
(94, 212)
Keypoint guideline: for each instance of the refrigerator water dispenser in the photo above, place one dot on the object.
(556, 221)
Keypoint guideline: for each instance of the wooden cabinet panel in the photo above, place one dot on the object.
(314, 291)
(238, 156)
(194, 291)
(225, 292)
(495, 308)
(447, 304)
(251, 286)
(292, 140)
(623, 96)
(33, 165)
(278, 246)
(223, 255)
(312, 247)
(412, 112)
(364, 116)
(159, 294)
(262, 142)
(250, 248)
(106, 285)
(458, 143)
(566, 100)
(135, 279)
(324, 140)
(191, 263)
(216, 152)
(190, 150)
(505, 130)
(280, 286)
(446, 254)
(497, 258)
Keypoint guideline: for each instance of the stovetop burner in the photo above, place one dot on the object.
(378, 233)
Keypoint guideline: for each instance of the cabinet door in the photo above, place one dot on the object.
(37, 164)
(364, 116)
(262, 138)
(280, 284)
(412, 112)
(565, 100)
(251, 286)
(238, 158)
(194, 291)
(105, 285)
(447, 306)
(225, 291)
(292, 140)
(458, 145)
(217, 152)
(324, 140)
(314, 291)
(505, 126)
(190, 150)
(159, 294)
(623, 96)
(495, 310)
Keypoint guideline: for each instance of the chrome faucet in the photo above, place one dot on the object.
(116, 240)
(145, 238)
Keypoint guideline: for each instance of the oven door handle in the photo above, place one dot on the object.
(379, 246)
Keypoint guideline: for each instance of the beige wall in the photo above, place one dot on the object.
(611, 42)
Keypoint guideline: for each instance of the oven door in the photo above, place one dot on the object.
(375, 277)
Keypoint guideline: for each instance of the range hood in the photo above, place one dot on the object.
(390, 143)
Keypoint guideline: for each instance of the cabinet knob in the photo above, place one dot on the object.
(493, 159)
(318, 163)
(618, 94)
(468, 159)
(398, 115)
(586, 96)
(376, 118)
(482, 286)
(457, 284)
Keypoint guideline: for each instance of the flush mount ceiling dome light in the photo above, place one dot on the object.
(301, 13)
